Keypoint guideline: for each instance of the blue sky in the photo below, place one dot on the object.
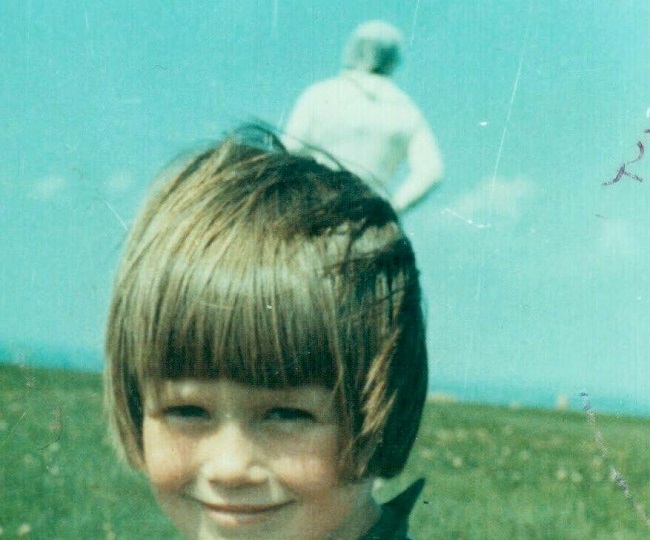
(536, 275)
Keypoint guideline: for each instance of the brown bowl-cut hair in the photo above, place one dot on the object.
(272, 270)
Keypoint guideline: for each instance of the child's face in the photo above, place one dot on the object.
(227, 460)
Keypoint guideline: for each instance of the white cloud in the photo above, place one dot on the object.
(48, 187)
(118, 184)
(491, 199)
(616, 237)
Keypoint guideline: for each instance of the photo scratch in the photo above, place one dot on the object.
(56, 425)
(616, 475)
(415, 20)
(467, 220)
(124, 226)
(623, 172)
(13, 428)
(513, 94)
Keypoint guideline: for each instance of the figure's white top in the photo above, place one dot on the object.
(370, 126)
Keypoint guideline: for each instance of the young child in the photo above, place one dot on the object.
(266, 355)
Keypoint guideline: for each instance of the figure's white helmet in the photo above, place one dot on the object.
(374, 46)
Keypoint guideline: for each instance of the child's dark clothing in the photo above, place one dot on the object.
(393, 522)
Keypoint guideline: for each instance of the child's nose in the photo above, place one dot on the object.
(231, 457)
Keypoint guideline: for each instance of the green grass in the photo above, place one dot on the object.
(492, 473)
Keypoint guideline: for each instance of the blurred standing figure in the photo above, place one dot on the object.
(365, 121)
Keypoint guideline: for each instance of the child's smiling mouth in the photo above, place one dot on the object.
(237, 515)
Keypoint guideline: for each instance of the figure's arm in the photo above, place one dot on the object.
(425, 169)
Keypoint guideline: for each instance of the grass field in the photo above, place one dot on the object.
(492, 473)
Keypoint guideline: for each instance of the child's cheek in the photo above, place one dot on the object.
(167, 456)
(310, 466)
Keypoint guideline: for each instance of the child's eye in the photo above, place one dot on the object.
(187, 412)
(289, 414)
